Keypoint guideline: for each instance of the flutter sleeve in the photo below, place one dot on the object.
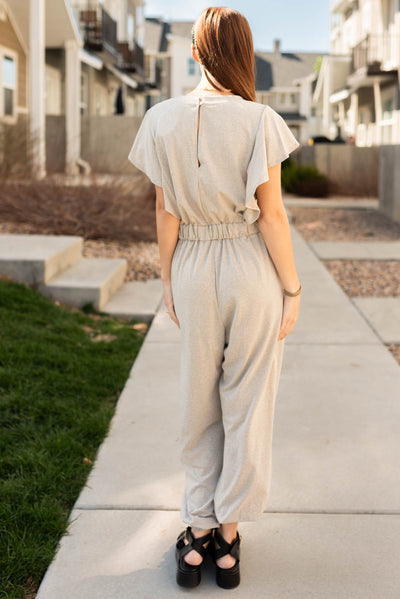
(143, 153)
(274, 142)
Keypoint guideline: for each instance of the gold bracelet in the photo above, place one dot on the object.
(292, 294)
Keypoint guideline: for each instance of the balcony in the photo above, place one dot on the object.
(341, 6)
(376, 53)
(131, 60)
(98, 28)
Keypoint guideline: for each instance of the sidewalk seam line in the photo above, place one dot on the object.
(155, 509)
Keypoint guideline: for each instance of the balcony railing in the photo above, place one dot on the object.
(131, 59)
(376, 50)
(98, 27)
(342, 5)
(99, 31)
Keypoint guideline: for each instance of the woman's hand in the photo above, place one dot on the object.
(291, 306)
(169, 301)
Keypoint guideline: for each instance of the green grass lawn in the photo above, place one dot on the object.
(59, 383)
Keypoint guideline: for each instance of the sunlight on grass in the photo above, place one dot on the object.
(61, 373)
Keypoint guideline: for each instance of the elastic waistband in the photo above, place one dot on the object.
(217, 230)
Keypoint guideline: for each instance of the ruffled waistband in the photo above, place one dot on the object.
(217, 230)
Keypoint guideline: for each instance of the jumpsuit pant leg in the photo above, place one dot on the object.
(228, 299)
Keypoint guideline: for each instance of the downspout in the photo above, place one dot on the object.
(74, 161)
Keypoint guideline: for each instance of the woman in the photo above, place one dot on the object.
(229, 280)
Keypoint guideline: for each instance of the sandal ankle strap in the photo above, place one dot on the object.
(225, 547)
(193, 542)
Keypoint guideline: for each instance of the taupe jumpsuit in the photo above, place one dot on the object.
(209, 155)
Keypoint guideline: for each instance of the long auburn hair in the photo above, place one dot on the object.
(224, 44)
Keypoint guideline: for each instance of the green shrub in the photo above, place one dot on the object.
(304, 180)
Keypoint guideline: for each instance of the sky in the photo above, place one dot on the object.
(301, 25)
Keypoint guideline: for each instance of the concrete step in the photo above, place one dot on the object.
(90, 280)
(34, 259)
(136, 299)
(53, 264)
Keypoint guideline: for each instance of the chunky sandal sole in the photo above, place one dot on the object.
(189, 580)
(187, 577)
(228, 578)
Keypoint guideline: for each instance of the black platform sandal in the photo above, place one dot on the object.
(186, 574)
(227, 578)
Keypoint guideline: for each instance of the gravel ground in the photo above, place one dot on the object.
(395, 349)
(143, 257)
(343, 224)
(366, 278)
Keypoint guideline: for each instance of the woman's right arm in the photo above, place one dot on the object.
(274, 227)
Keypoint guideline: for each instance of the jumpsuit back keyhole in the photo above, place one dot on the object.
(198, 128)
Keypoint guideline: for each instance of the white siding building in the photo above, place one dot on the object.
(358, 89)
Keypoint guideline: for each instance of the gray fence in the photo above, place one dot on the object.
(105, 142)
(389, 181)
(351, 170)
(55, 143)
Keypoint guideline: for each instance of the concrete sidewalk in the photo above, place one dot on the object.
(332, 528)
(356, 250)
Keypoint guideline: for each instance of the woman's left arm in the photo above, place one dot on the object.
(167, 236)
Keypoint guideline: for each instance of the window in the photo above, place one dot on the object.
(282, 98)
(387, 109)
(191, 66)
(8, 84)
(84, 93)
(293, 98)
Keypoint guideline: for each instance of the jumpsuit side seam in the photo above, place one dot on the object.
(217, 295)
